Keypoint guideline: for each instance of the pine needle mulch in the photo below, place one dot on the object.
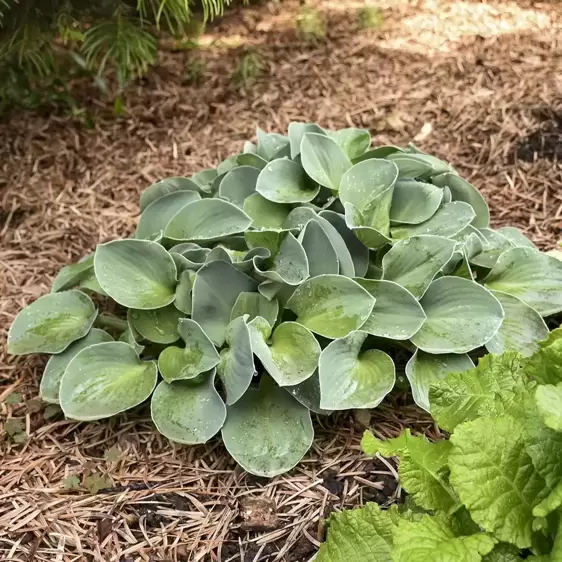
(479, 84)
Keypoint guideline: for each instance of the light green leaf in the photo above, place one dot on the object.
(284, 181)
(71, 275)
(495, 478)
(308, 394)
(354, 142)
(165, 187)
(323, 160)
(215, 290)
(265, 213)
(238, 184)
(410, 166)
(414, 202)
(522, 328)
(397, 314)
(269, 144)
(255, 304)
(296, 133)
(544, 366)
(105, 379)
(461, 316)
(368, 236)
(188, 413)
(531, 276)
(503, 552)
(136, 273)
(414, 263)
(183, 291)
(267, 431)
(424, 369)
(321, 255)
(549, 402)
(331, 305)
(51, 323)
(253, 160)
(52, 375)
(353, 378)
(159, 325)
(516, 237)
(495, 244)
(208, 219)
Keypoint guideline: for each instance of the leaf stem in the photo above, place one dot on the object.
(106, 321)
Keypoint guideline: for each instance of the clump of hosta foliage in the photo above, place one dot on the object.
(492, 492)
(289, 279)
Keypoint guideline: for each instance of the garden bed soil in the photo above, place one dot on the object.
(470, 82)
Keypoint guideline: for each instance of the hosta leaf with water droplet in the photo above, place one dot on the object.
(270, 144)
(410, 166)
(265, 213)
(297, 131)
(238, 184)
(165, 187)
(71, 275)
(159, 325)
(354, 142)
(414, 202)
(321, 255)
(285, 181)
(255, 304)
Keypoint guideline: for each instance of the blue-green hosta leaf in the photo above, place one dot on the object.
(291, 357)
(159, 325)
(414, 263)
(368, 236)
(255, 304)
(298, 218)
(264, 213)
(522, 328)
(531, 276)
(377, 211)
(321, 255)
(495, 478)
(198, 356)
(308, 394)
(270, 144)
(409, 166)
(236, 368)
(105, 379)
(331, 305)
(267, 431)
(424, 369)
(495, 244)
(439, 166)
(131, 336)
(516, 237)
(397, 314)
(461, 190)
(136, 273)
(51, 323)
(296, 133)
(549, 402)
(238, 184)
(365, 181)
(352, 378)
(450, 219)
(188, 413)
(414, 202)
(323, 160)
(54, 370)
(461, 316)
(159, 213)
(183, 301)
(435, 538)
(165, 187)
(215, 290)
(250, 159)
(208, 219)
(71, 275)
(226, 165)
(205, 179)
(354, 142)
(379, 152)
(285, 181)
(365, 534)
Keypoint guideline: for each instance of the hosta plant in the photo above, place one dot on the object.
(294, 277)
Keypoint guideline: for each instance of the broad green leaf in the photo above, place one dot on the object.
(159, 325)
(208, 219)
(397, 314)
(165, 187)
(71, 275)
(414, 263)
(238, 184)
(225, 166)
(183, 300)
(358, 535)
(424, 369)
(331, 305)
(409, 166)
(368, 236)
(531, 276)
(205, 179)
(495, 478)
(549, 402)
(414, 202)
(105, 379)
(54, 370)
(297, 131)
(544, 366)
(354, 142)
(285, 181)
(236, 368)
(308, 394)
(51, 323)
(255, 304)
(298, 218)
(267, 431)
(522, 328)
(353, 378)
(377, 211)
(215, 290)
(253, 160)
(323, 160)
(495, 244)
(378, 152)
(265, 213)
(450, 219)
(188, 413)
(269, 144)
(136, 273)
(461, 316)
(439, 166)
(291, 357)
(159, 213)
(461, 190)
(321, 255)
(198, 356)
(503, 552)
(516, 237)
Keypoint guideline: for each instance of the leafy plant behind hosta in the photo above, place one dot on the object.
(284, 282)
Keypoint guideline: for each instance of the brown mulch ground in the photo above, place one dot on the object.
(479, 84)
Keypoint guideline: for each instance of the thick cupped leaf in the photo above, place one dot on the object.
(250, 159)
(238, 184)
(285, 181)
(494, 245)
(297, 131)
(271, 144)
(183, 301)
(414, 202)
(267, 431)
(354, 378)
(159, 325)
(51, 323)
(354, 142)
(105, 379)
(308, 394)
(265, 213)
(516, 237)
(331, 305)
(188, 413)
(136, 273)
(298, 218)
(71, 275)
(379, 152)
(165, 187)
(368, 236)
(346, 260)
(321, 255)
(254, 305)
(461, 316)
(409, 165)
